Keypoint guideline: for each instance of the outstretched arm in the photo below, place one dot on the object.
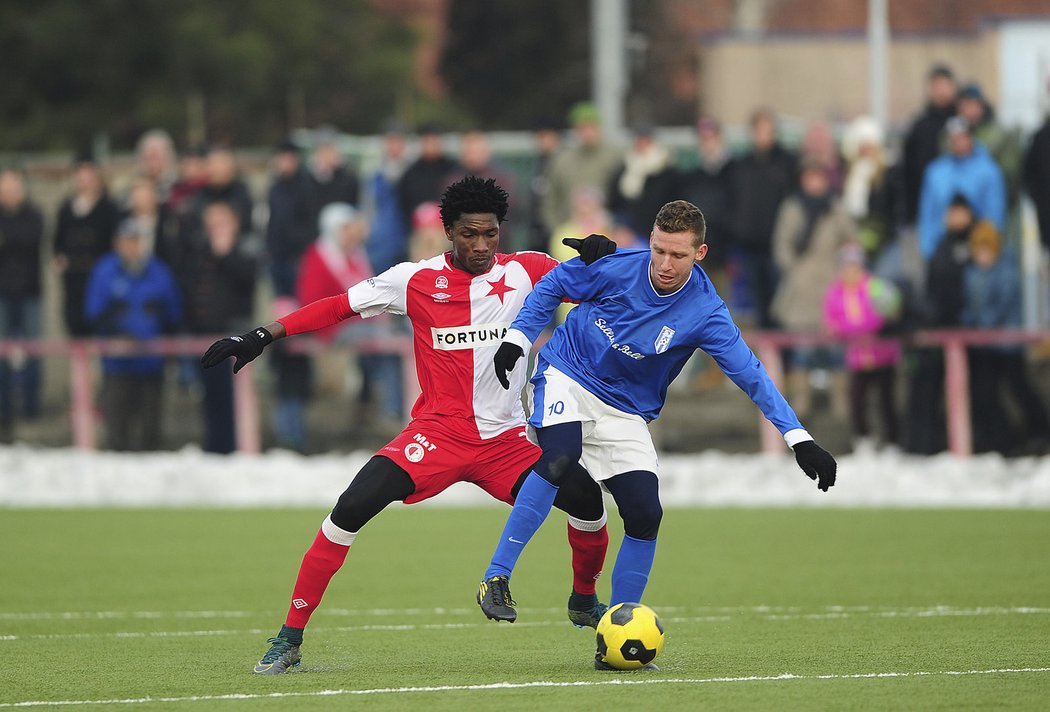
(247, 347)
(725, 344)
(382, 293)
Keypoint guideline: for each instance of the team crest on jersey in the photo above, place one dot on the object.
(664, 339)
(441, 282)
(414, 452)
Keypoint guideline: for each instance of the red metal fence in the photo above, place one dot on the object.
(768, 346)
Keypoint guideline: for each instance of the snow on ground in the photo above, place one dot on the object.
(35, 477)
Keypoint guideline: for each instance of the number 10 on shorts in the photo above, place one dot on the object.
(556, 408)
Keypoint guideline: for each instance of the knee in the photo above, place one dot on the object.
(579, 496)
(562, 449)
(349, 512)
(556, 464)
(379, 483)
(642, 519)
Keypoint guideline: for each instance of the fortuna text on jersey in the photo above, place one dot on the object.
(472, 336)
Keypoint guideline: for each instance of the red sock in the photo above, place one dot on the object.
(588, 553)
(322, 560)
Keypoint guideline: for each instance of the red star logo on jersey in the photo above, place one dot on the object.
(499, 288)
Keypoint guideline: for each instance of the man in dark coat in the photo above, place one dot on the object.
(291, 227)
(86, 224)
(220, 291)
(428, 176)
(1036, 177)
(923, 141)
(21, 232)
(759, 182)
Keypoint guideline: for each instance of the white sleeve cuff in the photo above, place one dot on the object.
(796, 436)
(519, 339)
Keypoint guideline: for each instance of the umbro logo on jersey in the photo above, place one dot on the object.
(441, 282)
(441, 297)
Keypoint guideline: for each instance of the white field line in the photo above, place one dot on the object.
(399, 627)
(772, 612)
(616, 682)
(939, 611)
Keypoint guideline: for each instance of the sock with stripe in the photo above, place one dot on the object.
(324, 557)
(589, 542)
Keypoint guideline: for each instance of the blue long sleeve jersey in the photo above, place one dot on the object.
(625, 342)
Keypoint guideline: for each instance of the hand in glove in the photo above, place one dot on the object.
(817, 463)
(591, 248)
(245, 348)
(506, 356)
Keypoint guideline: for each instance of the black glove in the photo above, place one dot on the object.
(506, 356)
(591, 248)
(245, 348)
(817, 463)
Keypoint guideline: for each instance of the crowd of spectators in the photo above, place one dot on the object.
(843, 232)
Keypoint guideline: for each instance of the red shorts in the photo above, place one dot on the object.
(438, 453)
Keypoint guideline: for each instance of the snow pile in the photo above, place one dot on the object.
(31, 477)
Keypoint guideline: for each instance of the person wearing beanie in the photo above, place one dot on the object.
(992, 300)
(336, 261)
(132, 294)
(858, 305)
(940, 306)
(588, 161)
(966, 168)
(1003, 144)
(428, 234)
(811, 227)
(922, 144)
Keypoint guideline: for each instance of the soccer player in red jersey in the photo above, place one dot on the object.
(465, 426)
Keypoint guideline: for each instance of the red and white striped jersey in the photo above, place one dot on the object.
(459, 320)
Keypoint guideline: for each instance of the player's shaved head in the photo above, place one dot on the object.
(471, 195)
(682, 216)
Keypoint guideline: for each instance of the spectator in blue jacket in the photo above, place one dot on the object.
(992, 300)
(967, 169)
(388, 240)
(132, 294)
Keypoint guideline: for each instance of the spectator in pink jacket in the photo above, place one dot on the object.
(857, 305)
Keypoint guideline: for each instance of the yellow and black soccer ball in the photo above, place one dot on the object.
(630, 636)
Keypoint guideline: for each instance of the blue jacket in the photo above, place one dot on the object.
(625, 343)
(976, 176)
(142, 306)
(993, 296)
(388, 241)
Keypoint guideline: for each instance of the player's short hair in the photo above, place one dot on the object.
(682, 216)
(471, 194)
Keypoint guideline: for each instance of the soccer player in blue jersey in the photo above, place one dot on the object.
(604, 375)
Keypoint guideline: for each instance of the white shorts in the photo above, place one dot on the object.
(614, 442)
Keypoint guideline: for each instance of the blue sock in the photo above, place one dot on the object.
(631, 572)
(531, 507)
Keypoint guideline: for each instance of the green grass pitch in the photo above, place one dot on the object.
(764, 609)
